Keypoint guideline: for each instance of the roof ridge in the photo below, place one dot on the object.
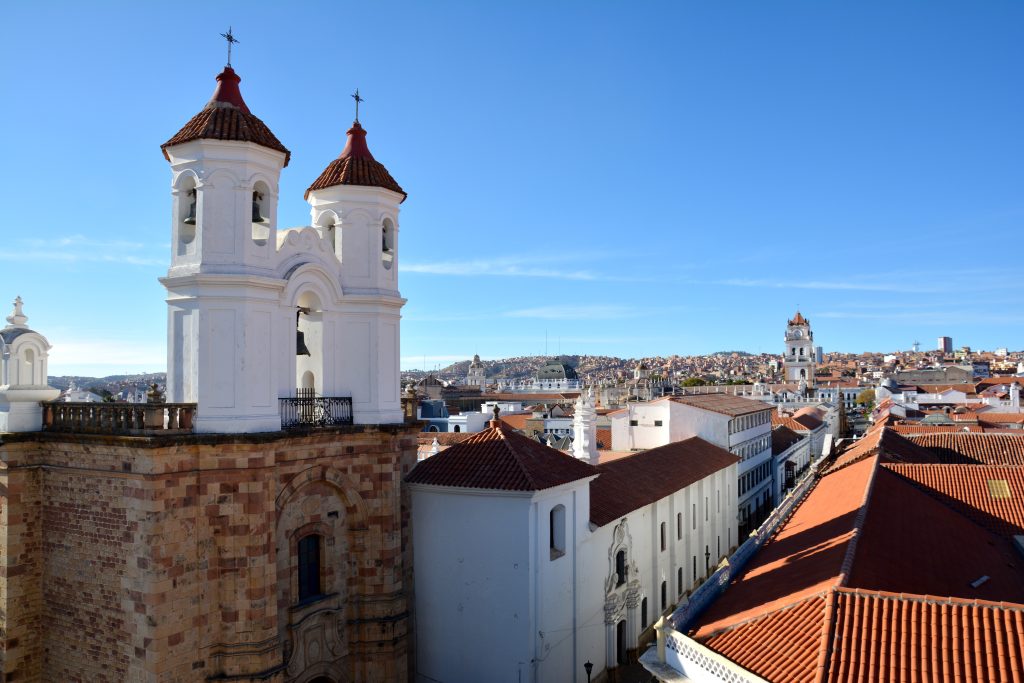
(827, 636)
(858, 527)
(930, 599)
(516, 455)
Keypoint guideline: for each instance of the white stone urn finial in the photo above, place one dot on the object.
(17, 318)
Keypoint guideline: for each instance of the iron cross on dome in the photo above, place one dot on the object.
(231, 39)
(358, 99)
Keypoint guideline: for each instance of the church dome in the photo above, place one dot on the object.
(356, 166)
(476, 361)
(226, 117)
(556, 369)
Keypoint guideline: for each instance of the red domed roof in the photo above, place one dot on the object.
(798, 319)
(356, 166)
(226, 117)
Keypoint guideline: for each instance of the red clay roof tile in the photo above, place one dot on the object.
(226, 117)
(356, 166)
(630, 482)
(501, 459)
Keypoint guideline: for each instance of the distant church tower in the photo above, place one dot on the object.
(799, 353)
(258, 313)
(476, 377)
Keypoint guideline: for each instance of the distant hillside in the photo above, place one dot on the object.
(111, 383)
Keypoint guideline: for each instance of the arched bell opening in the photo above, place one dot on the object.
(260, 213)
(187, 212)
(387, 247)
(328, 226)
(309, 345)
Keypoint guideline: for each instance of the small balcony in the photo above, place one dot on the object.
(126, 419)
(307, 410)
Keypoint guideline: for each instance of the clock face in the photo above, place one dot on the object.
(798, 334)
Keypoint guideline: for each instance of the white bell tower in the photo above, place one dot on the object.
(221, 290)
(355, 205)
(799, 353)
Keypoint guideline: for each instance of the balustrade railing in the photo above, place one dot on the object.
(307, 410)
(118, 418)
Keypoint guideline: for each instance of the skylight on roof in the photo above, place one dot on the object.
(999, 488)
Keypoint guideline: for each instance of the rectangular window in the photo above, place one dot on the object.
(679, 526)
(664, 537)
(309, 567)
(679, 580)
(657, 423)
(643, 613)
(633, 423)
(705, 508)
(694, 516)
(664, 595)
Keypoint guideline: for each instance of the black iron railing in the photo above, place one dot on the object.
(307, 410)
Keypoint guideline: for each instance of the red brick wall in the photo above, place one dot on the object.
(159, 558)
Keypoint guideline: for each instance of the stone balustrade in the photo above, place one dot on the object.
(118, 418)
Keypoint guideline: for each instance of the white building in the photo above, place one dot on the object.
(740, 425)
(531, 563)
(24, 355)
(555, 376)
(254, 310)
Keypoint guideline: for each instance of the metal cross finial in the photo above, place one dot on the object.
(358, 99)
(231, 39)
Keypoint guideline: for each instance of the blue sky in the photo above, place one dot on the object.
(629, 179)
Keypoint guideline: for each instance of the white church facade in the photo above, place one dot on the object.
(532, 564)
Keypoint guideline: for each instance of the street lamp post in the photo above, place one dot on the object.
(588, 666)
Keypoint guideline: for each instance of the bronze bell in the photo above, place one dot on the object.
(190, 219)
(300, 344)
(256, 217)
(300, 338)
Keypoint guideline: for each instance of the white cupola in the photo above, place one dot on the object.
(23, 374)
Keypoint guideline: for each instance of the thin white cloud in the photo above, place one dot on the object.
(479, 268)
(81, 249)
(571, 312)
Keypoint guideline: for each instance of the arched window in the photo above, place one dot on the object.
(620, 568)
(309, 567)
(556, 536)
(187, 216)
(457, 429)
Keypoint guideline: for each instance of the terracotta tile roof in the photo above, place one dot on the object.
(799, 319)
(884, 441)
(501, 459)
(888, 638)
(971, 448)
(783, 645)
(787, 421)
(809, 422)
(604, 439)
(725, 404)
(631, 482)
(226, 117)
(782, 438)
(990, 495)
(1002, 418)
(843, 591)
(933, 429)
(806, 556)
(356, 166)
(904, 525)
(517, 422)
(443, 438)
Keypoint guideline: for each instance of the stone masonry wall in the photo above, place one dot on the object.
(172, 559)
